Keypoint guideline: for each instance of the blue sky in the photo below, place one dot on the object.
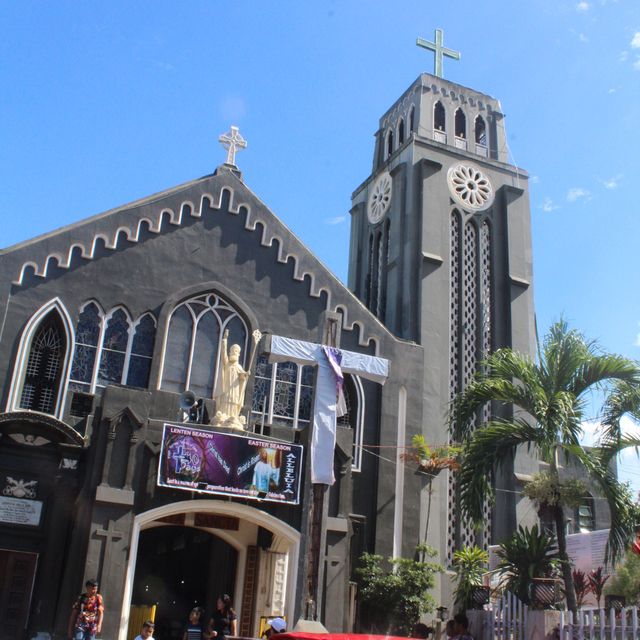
(103, 103)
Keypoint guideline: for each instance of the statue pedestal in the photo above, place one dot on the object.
(230, 422)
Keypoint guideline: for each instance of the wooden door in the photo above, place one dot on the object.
(17, 573)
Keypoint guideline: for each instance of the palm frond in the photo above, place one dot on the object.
(622, 527)
(488, 448)
(600, 369)
(623, 399)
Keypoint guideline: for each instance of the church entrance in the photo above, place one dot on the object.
(185, 554)
(179, 568)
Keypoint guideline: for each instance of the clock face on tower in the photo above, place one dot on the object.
(380, 198)
(470, 187)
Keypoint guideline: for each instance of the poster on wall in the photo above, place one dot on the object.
(233, 465)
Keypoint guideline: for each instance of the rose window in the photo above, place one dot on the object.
(380, 198)
(470, 187)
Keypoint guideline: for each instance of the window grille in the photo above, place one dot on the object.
(44, 367)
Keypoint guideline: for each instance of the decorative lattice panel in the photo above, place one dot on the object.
(467, 536)
(454, 371)
(471, 340)
(486, 298)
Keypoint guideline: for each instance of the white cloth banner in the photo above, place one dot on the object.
(323, 441)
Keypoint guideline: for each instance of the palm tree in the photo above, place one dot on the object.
(541, 405)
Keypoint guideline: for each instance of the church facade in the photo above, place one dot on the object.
(106, 323)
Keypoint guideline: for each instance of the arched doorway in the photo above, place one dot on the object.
(239, 541)
(179, 568)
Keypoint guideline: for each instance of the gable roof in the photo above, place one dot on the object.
(41, 255)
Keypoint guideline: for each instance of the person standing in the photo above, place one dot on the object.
(224, 621)
(195, 628)
(461, 627)
(85, 621)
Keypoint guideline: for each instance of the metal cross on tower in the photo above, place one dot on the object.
(439, 51)
(232, 141)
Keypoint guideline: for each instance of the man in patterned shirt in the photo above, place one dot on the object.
(85, 621)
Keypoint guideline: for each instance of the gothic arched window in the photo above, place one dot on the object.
(88, 331)
(412, 113)
(282, 393)
(389, 143)
(401, 131)
(42, 376)
(196, 328)
(114, 349)
(460, 123)
(141, 352)
(480, 131)
(439, 121)
(111, 350)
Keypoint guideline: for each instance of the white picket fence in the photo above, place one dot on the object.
(600, 624)
(508, 618)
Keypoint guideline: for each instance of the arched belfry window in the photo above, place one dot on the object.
(480, 131)
(44, 366)
(460, 124)
(194, 337)
(412, 113)
(401, 132)
(439, 122)
(111, 349)
(389, 143)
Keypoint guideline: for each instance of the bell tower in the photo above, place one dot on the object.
(440, 252)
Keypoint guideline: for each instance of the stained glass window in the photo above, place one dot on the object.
(111, 351)
(141, 352)
(282, 392)
(86, 349)
(44, 366)
(114, 349)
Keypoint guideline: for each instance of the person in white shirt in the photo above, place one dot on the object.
(146, 633)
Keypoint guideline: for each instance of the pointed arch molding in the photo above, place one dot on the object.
(23, 354)
(254, 222)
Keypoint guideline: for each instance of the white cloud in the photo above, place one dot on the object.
(582, 37)
(636, 65)
(612, 183)
(336, 220)
(582, 6)
(548, 206)
(635, 41)
(534, 179)
(578, 193)
(590, 430)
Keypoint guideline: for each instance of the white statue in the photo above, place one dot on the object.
(232, 384)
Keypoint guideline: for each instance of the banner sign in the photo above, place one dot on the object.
(222, 463)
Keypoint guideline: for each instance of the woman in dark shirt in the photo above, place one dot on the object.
(224, 621)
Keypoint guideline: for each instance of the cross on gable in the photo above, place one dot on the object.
(439, 51)
(232, 142)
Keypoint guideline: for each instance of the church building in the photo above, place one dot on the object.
(117, 340)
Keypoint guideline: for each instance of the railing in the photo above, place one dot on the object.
(600, 624)
(508, 618)
(439, 136)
